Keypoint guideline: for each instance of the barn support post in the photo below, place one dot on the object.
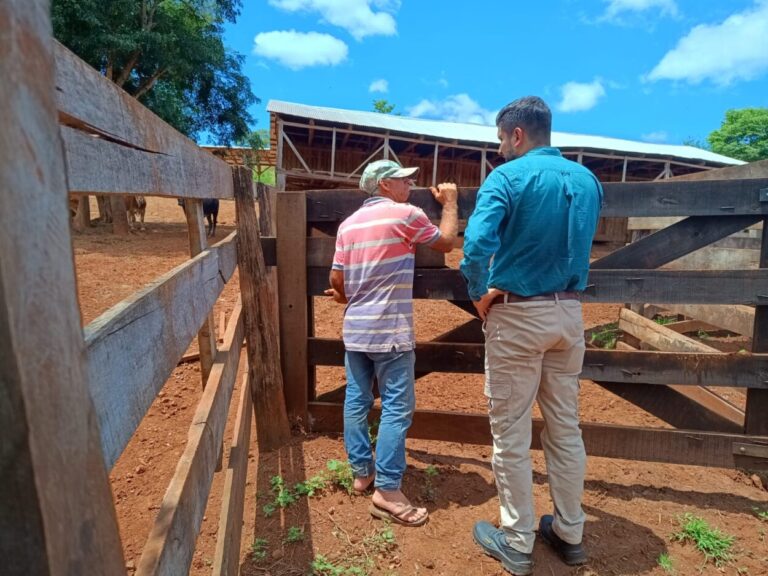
(292, 301)
(756, 419)
(56, 514)
(206, 337)
(264, 376)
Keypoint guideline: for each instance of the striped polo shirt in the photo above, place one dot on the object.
(375, 249)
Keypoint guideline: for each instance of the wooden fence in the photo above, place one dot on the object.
(671, 385)
(72, 398)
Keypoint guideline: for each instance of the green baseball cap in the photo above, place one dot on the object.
(380, 170)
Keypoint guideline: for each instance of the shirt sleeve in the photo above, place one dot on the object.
(338, 255)
(419, 229)
(482, 235)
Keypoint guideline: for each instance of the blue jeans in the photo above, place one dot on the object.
(395, 374)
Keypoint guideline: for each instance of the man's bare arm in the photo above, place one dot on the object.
(336, 291)
(447, 195)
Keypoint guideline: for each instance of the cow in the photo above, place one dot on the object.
(135, 205)
(211, 213)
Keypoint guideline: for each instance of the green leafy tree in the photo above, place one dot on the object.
(743, 135)
(383, 106)
(169, 54)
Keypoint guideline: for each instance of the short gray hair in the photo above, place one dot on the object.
(531, 114)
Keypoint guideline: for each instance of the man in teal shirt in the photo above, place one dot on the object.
(526, 258)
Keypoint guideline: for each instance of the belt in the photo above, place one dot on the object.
(509, 298)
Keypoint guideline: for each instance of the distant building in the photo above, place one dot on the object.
(323, 148)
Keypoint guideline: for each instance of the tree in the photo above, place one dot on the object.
(383, 106)
(743, 135)
(169, 54)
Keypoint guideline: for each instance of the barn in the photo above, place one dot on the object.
(323, 148)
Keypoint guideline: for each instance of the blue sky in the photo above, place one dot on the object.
(652, 70)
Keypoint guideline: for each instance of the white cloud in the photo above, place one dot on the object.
(617, 7)
(580, 96)
(380, 85)
(456, 108)
(356, 16)
(298, 50)
(655, 137)
(722, 53)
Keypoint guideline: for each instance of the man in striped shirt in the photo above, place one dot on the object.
(373, 274)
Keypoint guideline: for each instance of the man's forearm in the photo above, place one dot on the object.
(449, 222)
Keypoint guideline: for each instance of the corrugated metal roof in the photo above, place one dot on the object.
(477, 133)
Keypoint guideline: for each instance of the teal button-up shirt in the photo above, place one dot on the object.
(532, 228)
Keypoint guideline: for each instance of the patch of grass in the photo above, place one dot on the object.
(322, 566)
(665, 563)
(259, 549)
(340, 474)
(761, 514)
(361, 557)
(294, 534)
(702, 334)
(715, 545)
(665, 320)
(605, 336)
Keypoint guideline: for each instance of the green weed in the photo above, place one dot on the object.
(702, 334)
(665, 320)
(259, 549)
(606, 336)
(429, 492)
(294, 534)
(312, 486)
(761, 514)
(341, 474)
(715, 545)
(373, 432)
(665, 562)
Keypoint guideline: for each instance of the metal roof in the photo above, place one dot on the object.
(478, 133)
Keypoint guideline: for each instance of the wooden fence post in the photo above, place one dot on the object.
(292, 301)
(756, 417)
(266, 380)
(206, 337)
(56, 510)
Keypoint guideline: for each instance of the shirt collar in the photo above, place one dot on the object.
(376, 199)
(543, 151)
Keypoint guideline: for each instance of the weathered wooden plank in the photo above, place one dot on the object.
(738, 370)
(663, 198)
(143, 337)
(227, 557)
(292, 300)
(756, 421)
(672, 406)
(673, 242)
(170, 545)
(670, 341)
(680, 198)
(605, 440)
(738, 319)
(198, 241)
(56, 511)
(264, 376)
(154, 158)
(636, 286)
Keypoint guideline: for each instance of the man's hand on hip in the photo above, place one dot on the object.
(484, 304)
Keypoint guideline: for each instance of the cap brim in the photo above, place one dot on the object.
(404, 172)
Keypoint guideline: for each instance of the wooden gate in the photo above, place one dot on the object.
(712, 210)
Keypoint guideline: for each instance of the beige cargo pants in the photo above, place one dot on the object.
(534, 351)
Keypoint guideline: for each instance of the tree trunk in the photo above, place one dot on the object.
(119, 215)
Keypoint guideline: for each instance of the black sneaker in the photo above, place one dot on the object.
(571, 554)
(494, 543)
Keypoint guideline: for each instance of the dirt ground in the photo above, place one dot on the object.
(633, 508)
